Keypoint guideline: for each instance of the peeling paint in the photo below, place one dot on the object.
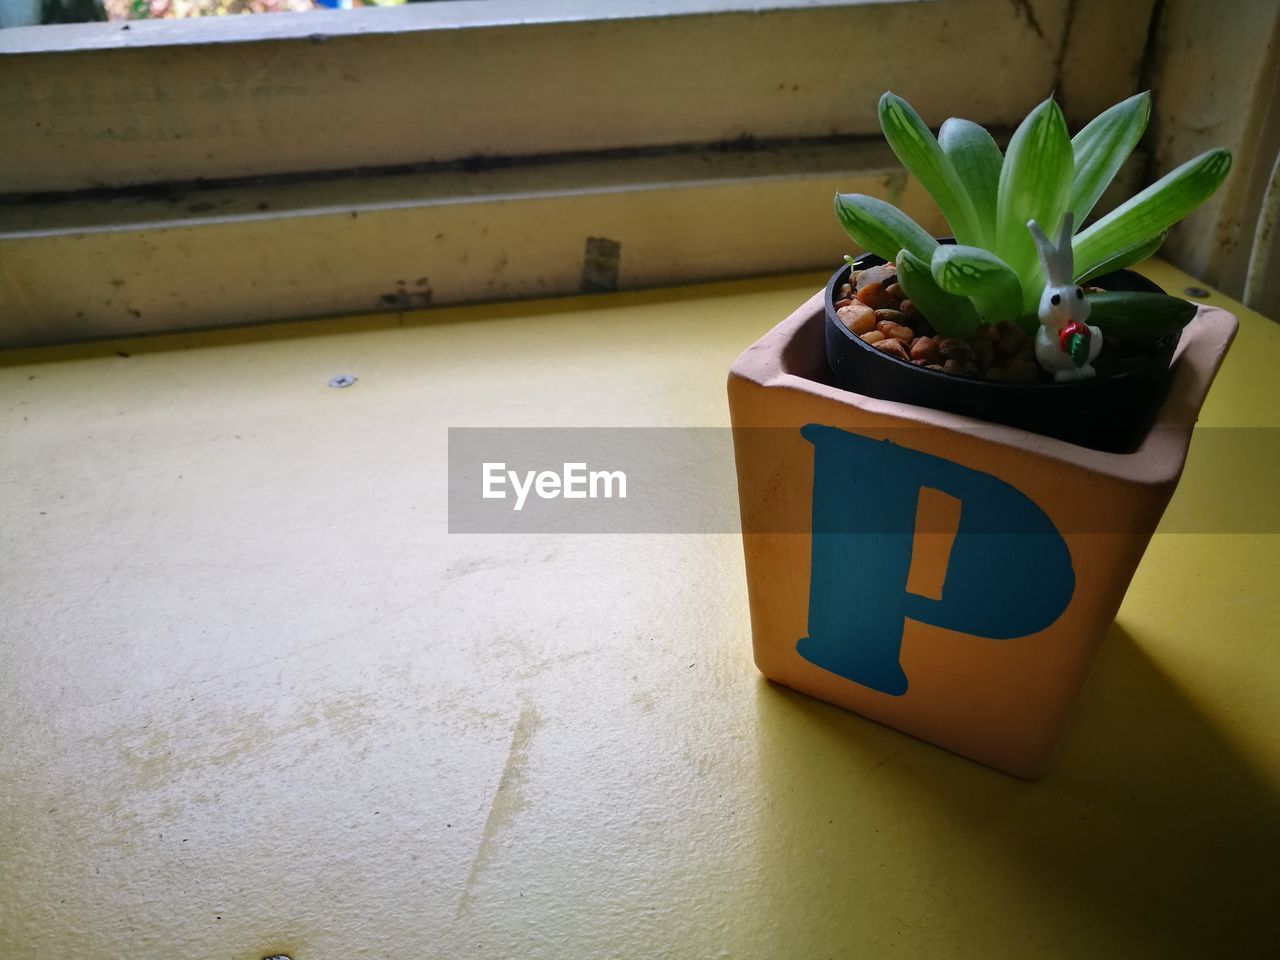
(600, 262)
(402, 298)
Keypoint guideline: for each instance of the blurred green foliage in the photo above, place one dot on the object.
(169, 9)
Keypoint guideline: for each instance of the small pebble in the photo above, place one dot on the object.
(858, 317)
(914, 317)
(874, 296)
(895, 330)
(954, 347)
(1010, 339)
(884, 275)
(875, 336)
(925, 349)
(894, 348)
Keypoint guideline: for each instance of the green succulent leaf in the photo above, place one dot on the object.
(1125, 258)
(977, 161)
(924, 159)
(1126, 314)
(1102, 147)
(1035, 183)
(1156, 208)
(949, 314)
(881, 227)
(982, 277)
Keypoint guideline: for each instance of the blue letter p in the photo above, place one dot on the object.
(1009, 572)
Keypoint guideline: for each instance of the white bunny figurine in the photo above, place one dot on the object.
(1065, 344)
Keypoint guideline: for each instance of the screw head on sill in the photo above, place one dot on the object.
(1198, 292)
(342, 380)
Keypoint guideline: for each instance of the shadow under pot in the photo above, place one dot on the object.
(1110, 412)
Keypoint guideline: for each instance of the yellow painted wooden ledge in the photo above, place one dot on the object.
(255, 700)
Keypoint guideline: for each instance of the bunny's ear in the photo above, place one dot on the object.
(1048, 255)
(1063, 255)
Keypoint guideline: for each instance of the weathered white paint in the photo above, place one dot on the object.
(102, 117)
(565, 81)
(213, 257)
(1102, 61)
(333, 24)
(1216, 80)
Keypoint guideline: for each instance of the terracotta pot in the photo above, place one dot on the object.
(946, 576)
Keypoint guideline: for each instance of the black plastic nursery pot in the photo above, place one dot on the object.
(1110, 413)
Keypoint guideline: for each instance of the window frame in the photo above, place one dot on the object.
(81, 105)
(640, 120)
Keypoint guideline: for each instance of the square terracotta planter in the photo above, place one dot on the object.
(945, 576)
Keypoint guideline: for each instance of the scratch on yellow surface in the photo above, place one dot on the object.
(508, 800)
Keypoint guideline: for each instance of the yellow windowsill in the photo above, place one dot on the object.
(256, 700)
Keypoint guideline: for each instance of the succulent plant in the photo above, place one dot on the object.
(992, 273)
